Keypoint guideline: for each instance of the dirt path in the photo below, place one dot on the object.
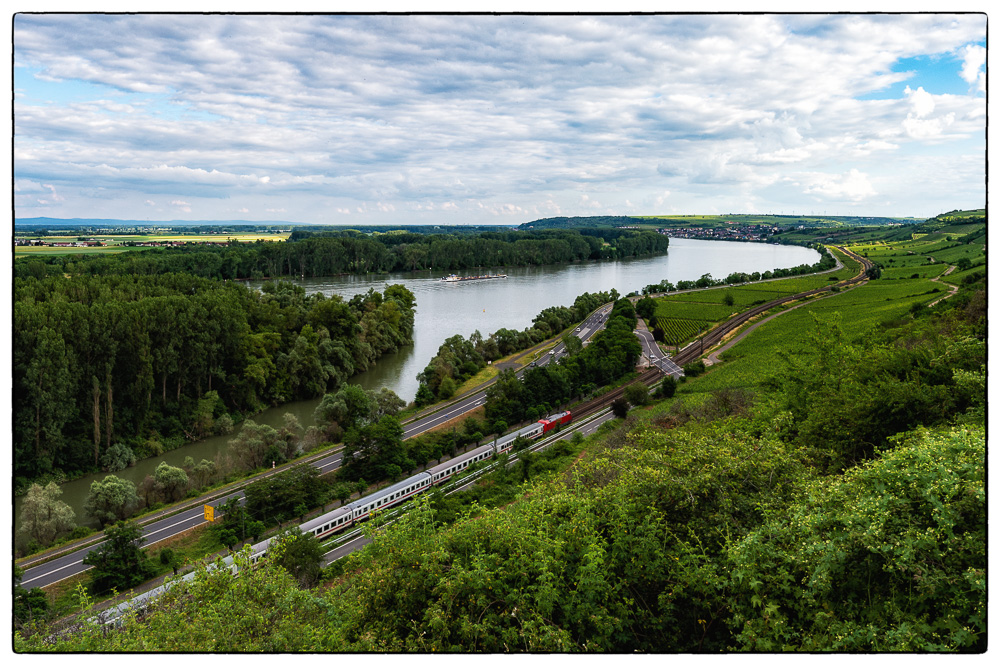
(953, 288)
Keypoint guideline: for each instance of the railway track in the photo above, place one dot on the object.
(648, 378)
(713, 337)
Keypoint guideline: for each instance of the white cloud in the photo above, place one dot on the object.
(973, 71)
(422, 112)
(921, 102)
(866, 148)
(852, 186)
(919, 124)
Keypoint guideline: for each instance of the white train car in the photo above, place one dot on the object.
(389, 496)
(441, 472)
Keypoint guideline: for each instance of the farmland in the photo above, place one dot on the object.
(112, 243)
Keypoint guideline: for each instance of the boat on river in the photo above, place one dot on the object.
(469, 278)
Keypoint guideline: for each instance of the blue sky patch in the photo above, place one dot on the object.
(938, 75)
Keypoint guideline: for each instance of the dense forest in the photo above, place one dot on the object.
(107, 367)
(317, 254)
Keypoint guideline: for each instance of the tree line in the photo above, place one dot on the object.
(110, 367)
(826, 262)
(349, 252)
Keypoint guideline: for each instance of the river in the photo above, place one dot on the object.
(446, 309)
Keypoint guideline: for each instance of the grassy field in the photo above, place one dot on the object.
(115, 243)
(957, 276)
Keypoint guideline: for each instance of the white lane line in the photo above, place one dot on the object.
(49, 573)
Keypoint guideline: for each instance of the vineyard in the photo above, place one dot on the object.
(680, 321)
(679, 331)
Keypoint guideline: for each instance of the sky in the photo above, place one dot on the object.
(496, 119)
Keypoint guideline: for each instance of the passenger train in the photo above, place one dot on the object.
(349, 514)
(360, 509)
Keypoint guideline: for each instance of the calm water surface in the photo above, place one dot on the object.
(447, 309)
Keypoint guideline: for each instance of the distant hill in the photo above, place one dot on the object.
(584, 222)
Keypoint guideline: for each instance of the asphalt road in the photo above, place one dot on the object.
(652, 352)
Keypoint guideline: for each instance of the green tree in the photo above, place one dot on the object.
(888, 557)
(285, 495)
(117, 458)
(30, 606)
(111, 500)
(252, 443)
(172, 481)
(572, 343)
(349, 406)
(301, 555)
(119, 563)
(645, 307)
(667, 388)
(170, 559)
(44, 401)
(371, 451)
(636, 394)
(44, 516)
(620, 407)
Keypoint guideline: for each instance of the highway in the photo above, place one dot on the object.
(156, 530)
